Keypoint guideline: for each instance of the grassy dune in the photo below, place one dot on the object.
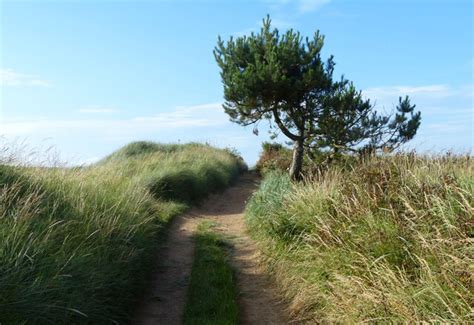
(389, 240)
(76, 244)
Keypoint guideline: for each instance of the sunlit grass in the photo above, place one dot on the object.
(388, 241)
(76, 244)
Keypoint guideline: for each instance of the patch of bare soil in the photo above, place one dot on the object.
(258, 299)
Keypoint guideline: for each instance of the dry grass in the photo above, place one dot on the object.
(390, 240)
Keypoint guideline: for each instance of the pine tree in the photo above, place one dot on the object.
(283, 79)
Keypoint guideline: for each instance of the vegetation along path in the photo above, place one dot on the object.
(258, 300)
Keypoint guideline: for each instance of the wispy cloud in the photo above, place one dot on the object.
(206, 115)
(450, 127)
(188, 116)
(432, 90)
(285, 13)
(302, 6)
(306, 6)
(447, 112)
(9, 77)
(438, 95)
(281, 24)
(97, 109)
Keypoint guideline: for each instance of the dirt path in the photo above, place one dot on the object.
(257, 298)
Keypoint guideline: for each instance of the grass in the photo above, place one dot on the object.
(76, 244)
(388, 240)
(212, 294)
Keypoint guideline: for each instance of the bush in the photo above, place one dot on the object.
(274, 157)
(387, 240)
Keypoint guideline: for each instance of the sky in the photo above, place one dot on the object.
(87, 77)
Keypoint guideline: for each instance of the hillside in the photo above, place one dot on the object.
(77, 244)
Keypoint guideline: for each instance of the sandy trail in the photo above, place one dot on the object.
(258, 300)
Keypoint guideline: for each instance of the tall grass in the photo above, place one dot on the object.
(389, 240)
(76, 244)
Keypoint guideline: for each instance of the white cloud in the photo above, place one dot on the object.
(285, 13)
(188, 116)
(467, 90)
(303, 6)
(447, 110)
(281, 24)
(447, 113)
(428, 96)
(450, 127)
(97, 109)
(211, 107)
(8, 77)
(432, 90)
(182, 117)
(279, 2)
(306, 6)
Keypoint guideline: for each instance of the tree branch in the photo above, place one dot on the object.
(283, 127)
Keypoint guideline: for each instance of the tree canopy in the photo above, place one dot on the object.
(283, 78)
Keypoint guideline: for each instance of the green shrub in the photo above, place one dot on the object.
(274, 157)
(385, 241)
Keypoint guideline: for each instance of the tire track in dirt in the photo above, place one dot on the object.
(258, 300)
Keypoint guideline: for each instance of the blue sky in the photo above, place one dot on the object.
(87, 77)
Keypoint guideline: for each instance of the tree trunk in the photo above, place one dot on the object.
(297, 162)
